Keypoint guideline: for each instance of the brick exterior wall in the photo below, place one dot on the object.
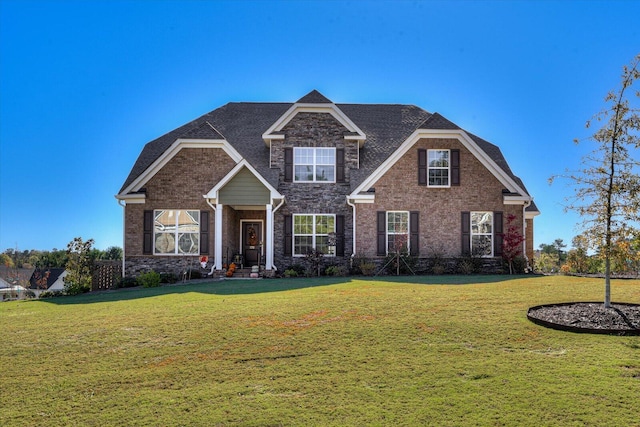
(440, 208)
(180, 184)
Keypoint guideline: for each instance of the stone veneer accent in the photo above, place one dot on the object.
(313, 130)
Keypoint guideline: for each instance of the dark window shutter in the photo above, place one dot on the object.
(204, 232)
(339, 235)
(340, 177)
(455, 167)
(288, 235)
(422, 166)
(466, 233)
(381, 233)
(288, 164)
(414, 233)
(498, 233)
(147, 233)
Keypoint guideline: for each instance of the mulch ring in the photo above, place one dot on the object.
(589, 317)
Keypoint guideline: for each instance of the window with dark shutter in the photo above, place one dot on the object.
(381, 233)
(466, 233)
(497, 233)
(422, 166)
(455, 167)
(288, 235)
(339, 235)
(340, 172)
(288, 164)
(204, 232)
(414, 233)
(147, 233)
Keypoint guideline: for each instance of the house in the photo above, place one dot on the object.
(14, 282)
(265, 183)
(51, 279)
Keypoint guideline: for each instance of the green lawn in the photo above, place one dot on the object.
(441, 351)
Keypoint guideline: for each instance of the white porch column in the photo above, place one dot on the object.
(217, 250)
(269, 238)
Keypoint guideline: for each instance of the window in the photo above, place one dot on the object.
(314, 232)
(438, 167)
(314, 164)
(397, 231)
(482, 233)
(176, 232)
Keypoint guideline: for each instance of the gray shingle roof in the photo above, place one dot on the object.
(314, 97)
(242, 124)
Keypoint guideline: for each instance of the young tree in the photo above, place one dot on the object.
(607, 192)
(512, 242)
(78, 279)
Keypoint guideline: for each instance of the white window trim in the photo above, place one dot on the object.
(176, 251)
(398, 234)
(314, 165)
(429, 168)
(471, 233)
(314, 235)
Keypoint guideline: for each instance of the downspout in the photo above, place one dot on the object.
(273, 211)
(353, 237)
(524, 231)
(124, 233)
(214, 213)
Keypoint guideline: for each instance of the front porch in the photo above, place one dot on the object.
(243, 204)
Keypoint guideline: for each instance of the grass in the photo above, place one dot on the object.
(446, 351)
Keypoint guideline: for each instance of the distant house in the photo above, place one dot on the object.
(14, 282)
(47, 280)
(270, 182)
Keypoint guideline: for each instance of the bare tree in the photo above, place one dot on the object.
(607, 188)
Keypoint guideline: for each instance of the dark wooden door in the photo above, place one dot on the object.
(251, 243)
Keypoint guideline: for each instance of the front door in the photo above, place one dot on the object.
(251, 242)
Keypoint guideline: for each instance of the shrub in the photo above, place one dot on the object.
(298, 268)
(336, 270)
(51, 294)
(466, 266)
(127, 282)
(150, 279)
(290, 273)
(368, 268)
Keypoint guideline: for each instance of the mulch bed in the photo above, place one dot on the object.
(590, 317)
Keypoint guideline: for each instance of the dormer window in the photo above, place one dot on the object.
(314, 164)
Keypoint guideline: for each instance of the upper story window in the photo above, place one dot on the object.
(438, 167)
(482, 233)
(314, 164)
(176, 232)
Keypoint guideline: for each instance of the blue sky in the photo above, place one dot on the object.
(85, 84)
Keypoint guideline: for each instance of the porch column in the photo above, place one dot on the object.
(269, 238)
(217, 250)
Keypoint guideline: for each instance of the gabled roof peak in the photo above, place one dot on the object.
(314, 97)
(437, 121)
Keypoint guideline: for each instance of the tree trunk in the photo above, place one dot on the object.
(607, 283)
